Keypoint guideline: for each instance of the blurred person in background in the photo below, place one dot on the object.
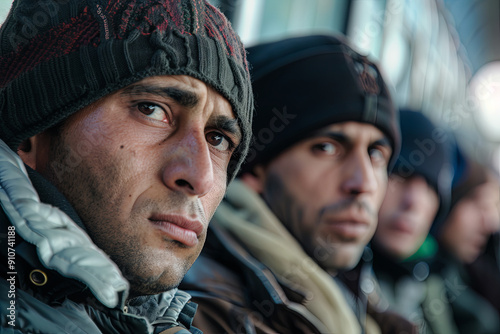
(473, 224)
(474, 216)
(326, 134)
(413, 275)
(417, 199)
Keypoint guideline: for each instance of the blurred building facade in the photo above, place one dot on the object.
(441, 56)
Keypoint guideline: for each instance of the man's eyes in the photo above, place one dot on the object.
(325, 148)
(378, 155)
(153, 111)
(219, 141)
(216, 139)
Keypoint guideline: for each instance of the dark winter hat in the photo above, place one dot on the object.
(471, 175)
(426, 151)
(474, 175)
(58, 56)
(304, 83)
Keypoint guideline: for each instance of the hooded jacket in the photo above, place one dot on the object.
(56, 280)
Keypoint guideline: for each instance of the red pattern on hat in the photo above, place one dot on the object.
(84, 29)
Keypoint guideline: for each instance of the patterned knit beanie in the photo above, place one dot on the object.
(58, 56)
(304, 83)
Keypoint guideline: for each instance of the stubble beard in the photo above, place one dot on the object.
(329, 254)
(89, 194)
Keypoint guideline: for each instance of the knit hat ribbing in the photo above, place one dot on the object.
(58, 56)
(304, 83)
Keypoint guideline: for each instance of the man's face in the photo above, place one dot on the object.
(471, 222)
(145, 168)
(327, 190)
(405, 217)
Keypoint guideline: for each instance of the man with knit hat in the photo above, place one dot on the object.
(406, 260)
(474, 214)
(473, 218)
(417, 198)
(419, 188)
(123, 122)
(305, 206)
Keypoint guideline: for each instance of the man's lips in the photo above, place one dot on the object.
(179, 228)
(348, 226)
(403, 226)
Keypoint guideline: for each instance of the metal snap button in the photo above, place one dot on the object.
(38, 277)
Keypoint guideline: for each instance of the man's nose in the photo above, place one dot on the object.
(359, 175)
(415, 191)
(188, 166)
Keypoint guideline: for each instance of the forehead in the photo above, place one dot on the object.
(410, 181)
(489, 190)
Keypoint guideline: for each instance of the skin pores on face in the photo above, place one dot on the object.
(145, 169)
(327, 190)
(471, 222)
(406, 215)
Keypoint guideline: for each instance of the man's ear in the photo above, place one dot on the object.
(255, 180)
(27, 151)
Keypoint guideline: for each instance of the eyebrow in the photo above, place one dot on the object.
(183, 97)
(338, 136)
(382, 142)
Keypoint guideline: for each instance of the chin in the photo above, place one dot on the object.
(400, 254)
(348, 266)
(144, 287)
(343, 264)
(150, 283)
(469, 258)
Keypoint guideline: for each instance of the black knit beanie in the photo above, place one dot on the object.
(58, 56)
(475, 174)
(304, 83)
(426, 151)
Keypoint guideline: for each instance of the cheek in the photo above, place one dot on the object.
(461, 224)
(383, 223)
(278, 180)
(424, 227)
(390, 204)
(466, 219)
(210, 202)
(431, 211)
(212, 199)
(310, 182)
(382, 187)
